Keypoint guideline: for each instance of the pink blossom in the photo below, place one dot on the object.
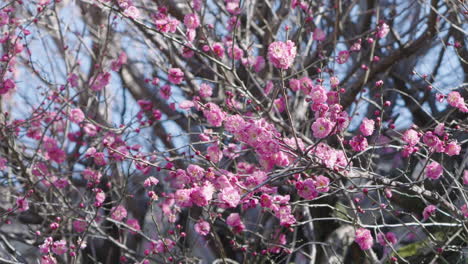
(59, 247)
(76, 115)
(367, 127)
(382, 30)
(165, 92)
(195, 172)
(429, 211)
(121, 60)
(282, 54)
(434, 170)
(118, 213)
(358, 143)
(214, 115)
(364, 238)
(191, 21)
(22, 204)
(465, 177)
(101, 81)
(229, 196)
(456, 100)
(44, 248)
(214, 153)
(90, 129)
(319, 35)
(48, 259)
(259, 64)
(334, 81)
(306, 189)
(205, 90)
(439, 129)
(411, 137)
(318, 94)
(175, 75)
(6, 86)
(132, 12)
(342, 57)
(182, 197)
(322, 183)
(100, 198)
(464, 210)
(151, 181)
(202, 227)
(294, 84)
(133, 223)
(202, 196)
(452, 148)
(356, 46)
(235, 222)
(235, 52)
(80, 225)
(218, 49)
(322, 127)
(388, 238)
(4, 18)
(3, 164)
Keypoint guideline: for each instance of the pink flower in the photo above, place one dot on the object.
(202, 227)
(76, 115)
(382, 30)
(322, 127)
(44, 248)
(294, 85)
(118, 213)
(132, 12)
(182, 197)
(22, 204)
(214, 115)
(165, 92)
(101, 81)
(358, 143)
(80, 225)
(59, 247)
(389, 238)
(464, 210)
(6, 86)
(465, 177)
(429, 211)
(367, 127)
(259, 64)
(342, 57)
(411, 137)
(195, 172)
(452, 148)
(439, 129)
(356, 46)
(4, 18)
(218, 49)
(434, 170)
(322, 183)
(306, 189)
(235, 222)
(133, 223)
(214, 153)
(364, 238)
(319, 35)
(48, 259)
(230, 197)
(151, 181)
(205, 90)
(90, 129)
(100, 198)
(117, 64)
(202, 196)
(318, 94)
(191, 21)
(282, 54)
(176, 75)
(456, 100)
